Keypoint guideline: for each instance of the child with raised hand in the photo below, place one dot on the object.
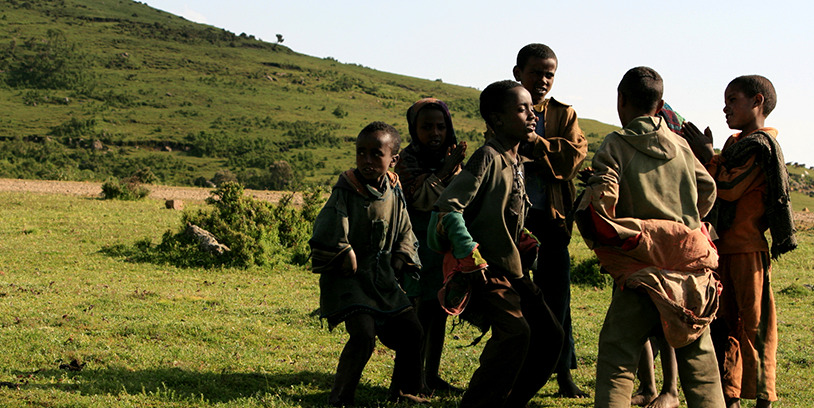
(478, 220)
(753, 196)
(426, 166)
(362, 242)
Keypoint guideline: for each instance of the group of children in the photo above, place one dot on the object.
(487, 239)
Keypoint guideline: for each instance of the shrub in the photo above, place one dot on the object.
(128, 188)
(257, 232)
(223, 176)
(587, 273)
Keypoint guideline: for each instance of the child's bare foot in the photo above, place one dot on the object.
(641, 399)
(665, 400)
(568, 388)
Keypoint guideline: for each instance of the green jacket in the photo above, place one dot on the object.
(376, 226)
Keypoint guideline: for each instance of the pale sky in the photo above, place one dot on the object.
(697, 47)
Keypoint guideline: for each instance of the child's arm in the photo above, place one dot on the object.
(405, 246)
(560, 156)
(330, 249)
(447, 230)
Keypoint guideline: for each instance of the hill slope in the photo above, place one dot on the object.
(186, 99)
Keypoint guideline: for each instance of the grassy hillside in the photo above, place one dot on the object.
(140, 81)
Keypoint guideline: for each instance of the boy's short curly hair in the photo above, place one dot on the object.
(534, 50)
(493, 98)
(642, 87)
(752, 85)
(378, 126)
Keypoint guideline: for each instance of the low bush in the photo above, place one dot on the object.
(129, 188)
(587, 273)
(256, 232)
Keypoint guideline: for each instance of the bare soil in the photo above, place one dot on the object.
(89, 189)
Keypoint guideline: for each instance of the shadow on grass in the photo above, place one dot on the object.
(306, 388)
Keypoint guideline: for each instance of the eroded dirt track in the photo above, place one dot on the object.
(89, 189)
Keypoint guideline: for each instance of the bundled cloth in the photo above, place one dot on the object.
(670, 262)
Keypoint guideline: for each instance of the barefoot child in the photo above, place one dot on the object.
(479, 219)
(362, 240)
(641, 214)
(426, 166)
(753, 196)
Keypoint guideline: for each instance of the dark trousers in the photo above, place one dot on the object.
(523, 349)
(401, 333)
(553, 276)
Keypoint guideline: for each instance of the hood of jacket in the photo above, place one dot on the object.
(651, 136)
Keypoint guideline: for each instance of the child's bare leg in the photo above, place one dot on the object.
(567, 386)
(668, 398)
(647, 378)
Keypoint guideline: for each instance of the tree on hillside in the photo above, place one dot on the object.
(279, 38)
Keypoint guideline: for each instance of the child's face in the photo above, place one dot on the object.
(431, 128)
(517, 120)
(740, 110)
(537, 76)
(374, 155)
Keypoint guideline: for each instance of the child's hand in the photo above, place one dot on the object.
(349, 263)
(398, 264)
(455, 156)
(700, 143)
(585, 174)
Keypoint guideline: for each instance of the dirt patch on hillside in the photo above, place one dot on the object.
(88, 189)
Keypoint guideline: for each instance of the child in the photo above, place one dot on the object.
(425, 168)
(557, 152)
(641, 213)
(753, 192)
(479, 219)
(647, 395)
(362, 240)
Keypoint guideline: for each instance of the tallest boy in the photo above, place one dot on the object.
(557, 153)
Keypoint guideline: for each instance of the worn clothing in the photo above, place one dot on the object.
(416, 168)
(490, 193)
(753, 197)
(748, 321)
(418, 163)
(511, 371)
(557, 155)
(641, 213)
(376, 226)
(631, 318)
(753, 192)
(401, 333)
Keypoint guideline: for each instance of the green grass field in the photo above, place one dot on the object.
(160, 336)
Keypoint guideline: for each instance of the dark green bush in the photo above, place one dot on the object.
(587, 273)
(256, 232)
(129, 188)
